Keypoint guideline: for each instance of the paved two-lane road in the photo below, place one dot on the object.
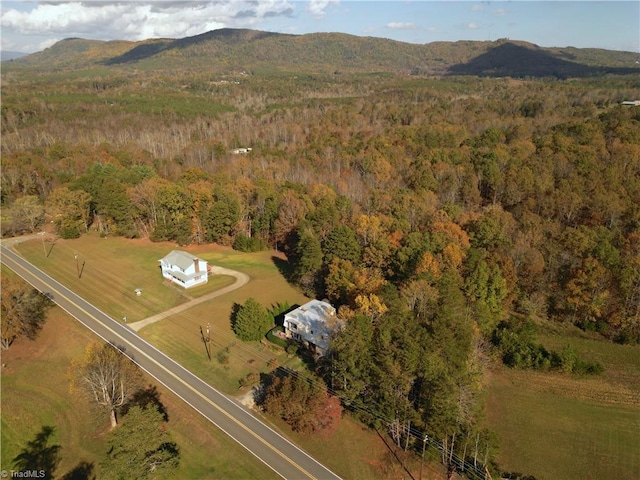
(271, 448)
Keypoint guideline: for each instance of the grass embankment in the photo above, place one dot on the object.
(32, 399)
(553, 425)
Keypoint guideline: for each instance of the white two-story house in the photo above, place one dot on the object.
(312, 324)
(184, 269)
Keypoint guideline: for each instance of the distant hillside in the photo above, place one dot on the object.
(238, 49)
(511, 59)
(6, 55)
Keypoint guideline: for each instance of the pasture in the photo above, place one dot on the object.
(553, 425)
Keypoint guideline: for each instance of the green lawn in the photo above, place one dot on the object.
(554, 426)
(179, 336)
(115, 267)
(112, 271)
(108, 270)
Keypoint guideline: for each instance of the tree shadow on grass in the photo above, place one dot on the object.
(234, 315)
(145, 397)
(284, 267)
(82, 471)
(39, 455)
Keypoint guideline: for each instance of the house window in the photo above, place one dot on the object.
(293, 326)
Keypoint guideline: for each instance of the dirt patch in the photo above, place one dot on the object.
(248, 399)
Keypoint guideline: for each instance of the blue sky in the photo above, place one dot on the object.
(31, 26)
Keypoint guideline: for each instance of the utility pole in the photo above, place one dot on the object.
(75, 255)
(424, 445)
(43, 246)
(206, 343)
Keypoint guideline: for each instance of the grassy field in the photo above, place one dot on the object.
(553, 425)
(31, 400)
(353, 452)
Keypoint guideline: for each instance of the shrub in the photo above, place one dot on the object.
(304, 404)
(68, 230)
(273, 337)
(223, 356)
(515, 342)
(250, 379)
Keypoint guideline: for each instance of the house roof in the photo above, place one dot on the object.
(316, 320)
(180, 259)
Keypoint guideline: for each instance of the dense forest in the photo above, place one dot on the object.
(442, 216)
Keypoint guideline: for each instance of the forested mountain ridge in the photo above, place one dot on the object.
(226, 50)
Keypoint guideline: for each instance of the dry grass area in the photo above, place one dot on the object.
(553, 425)
(31, 400)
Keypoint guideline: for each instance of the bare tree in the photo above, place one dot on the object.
(106, 376)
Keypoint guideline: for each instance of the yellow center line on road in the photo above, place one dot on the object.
(179, 379)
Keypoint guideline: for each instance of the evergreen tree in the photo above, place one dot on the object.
(140, 447)
(342, 243)
(251, 321)
(308, 260)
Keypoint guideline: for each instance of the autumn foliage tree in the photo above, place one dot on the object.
(304, 404)
(22, 312)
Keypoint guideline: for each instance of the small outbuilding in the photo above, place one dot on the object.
(184, 269)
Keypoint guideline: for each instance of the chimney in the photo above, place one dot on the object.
(196, 263)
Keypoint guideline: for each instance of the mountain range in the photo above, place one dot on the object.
(6, 55)
(226, 50)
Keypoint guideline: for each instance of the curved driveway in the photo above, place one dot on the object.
(241, 279)
(271, 448)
